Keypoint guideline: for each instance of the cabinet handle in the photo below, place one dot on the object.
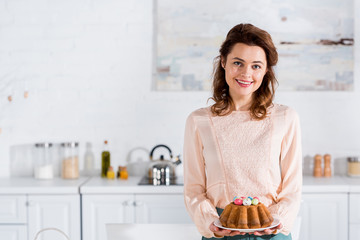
(128, 203)
(138, 203)
(30, 203)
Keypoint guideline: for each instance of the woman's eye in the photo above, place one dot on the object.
(237, 63)
(256, 67)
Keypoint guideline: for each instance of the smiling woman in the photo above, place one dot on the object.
(245, 67)
(244, 144)
(248, 55)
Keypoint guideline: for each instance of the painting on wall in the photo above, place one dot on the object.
(314, 40)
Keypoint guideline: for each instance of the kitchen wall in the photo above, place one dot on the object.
(86, 66)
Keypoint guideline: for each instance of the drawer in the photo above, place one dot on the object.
(354, 231)
(354, 212)
(13, 209)
(13, 232)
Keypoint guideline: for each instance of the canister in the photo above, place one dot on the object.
(353, 166)
(43, 160)
(69, 160)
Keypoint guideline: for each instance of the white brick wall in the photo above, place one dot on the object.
(87, 67)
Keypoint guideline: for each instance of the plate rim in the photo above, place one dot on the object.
(276, 220)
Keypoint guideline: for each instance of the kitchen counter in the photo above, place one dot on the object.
(29, 185)
(310, 185)
(354, 184)
(98, 185)
(326, 185)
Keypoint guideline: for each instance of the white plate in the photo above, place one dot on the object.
(275, 223)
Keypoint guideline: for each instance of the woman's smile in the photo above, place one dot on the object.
(243, 83)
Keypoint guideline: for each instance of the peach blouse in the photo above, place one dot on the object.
(233, 155)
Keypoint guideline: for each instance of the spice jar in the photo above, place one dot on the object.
(70, 160)
(43, 161)
(353, 166)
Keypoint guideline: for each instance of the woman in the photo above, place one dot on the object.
(244, 144)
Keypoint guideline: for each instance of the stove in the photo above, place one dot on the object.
(178, 181)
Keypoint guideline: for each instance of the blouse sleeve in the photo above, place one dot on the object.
(289, 197)
(199, 207)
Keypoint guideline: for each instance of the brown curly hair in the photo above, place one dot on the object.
(264, 95)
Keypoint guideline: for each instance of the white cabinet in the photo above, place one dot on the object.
(324, 216)
(161, 208)
(99, 210)
(13, 232)
(13, 209)
(354, 216)
(54, 211)
(13, 217)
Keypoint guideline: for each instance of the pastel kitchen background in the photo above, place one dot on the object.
(86, 66)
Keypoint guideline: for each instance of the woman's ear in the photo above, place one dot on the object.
(222, 62)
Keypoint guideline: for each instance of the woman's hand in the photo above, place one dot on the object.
(268, 231)
(219, 232)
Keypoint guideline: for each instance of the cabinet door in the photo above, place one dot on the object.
(12, 209)
(54, 211)
(324, 216)
(161, 208)
(354, 231)
(98, 210)
(354, 218)
(13, 232)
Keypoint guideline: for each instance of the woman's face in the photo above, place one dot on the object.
(245, 68)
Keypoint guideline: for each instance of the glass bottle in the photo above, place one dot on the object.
(105, 159)
(110, 173)
(124, 173)
(88, 160)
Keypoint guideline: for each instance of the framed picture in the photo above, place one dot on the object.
(314, 40)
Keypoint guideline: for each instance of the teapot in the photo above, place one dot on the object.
(163, 169)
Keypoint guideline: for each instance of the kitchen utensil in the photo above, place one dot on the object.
(163, 169)
(317, 166)
(327, 165)
(137, 161)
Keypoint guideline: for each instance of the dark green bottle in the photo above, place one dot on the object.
(105, 159)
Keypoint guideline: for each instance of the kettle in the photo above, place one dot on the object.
(163, 169)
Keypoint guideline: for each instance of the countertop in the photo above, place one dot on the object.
(335, 184)
(29, 185)
(338, 184)
(98, 185)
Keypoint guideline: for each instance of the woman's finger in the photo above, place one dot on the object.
(256, 233)
(214, 228)
(268, 231)
(224, 232)
(234, 233)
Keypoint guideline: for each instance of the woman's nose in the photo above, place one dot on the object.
(246, 73)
